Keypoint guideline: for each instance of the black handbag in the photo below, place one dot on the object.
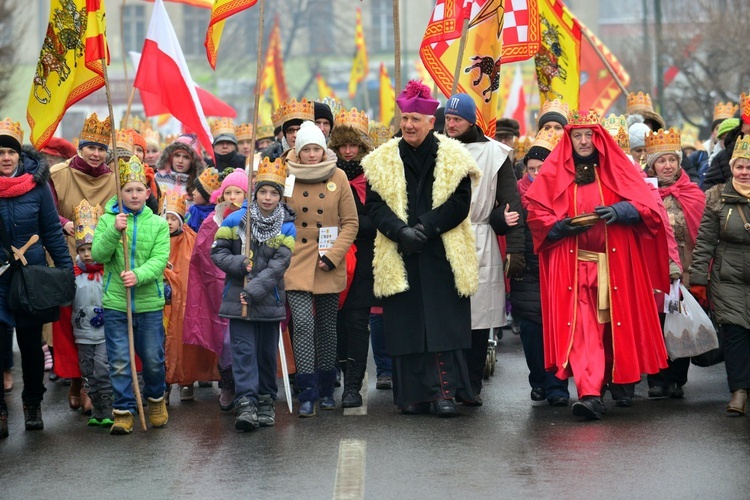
(37, 291)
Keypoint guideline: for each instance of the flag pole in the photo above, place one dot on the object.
(397, 59)
(128, 296)
(127, 111)
(258, 79)
(611, 70)
(460, 58)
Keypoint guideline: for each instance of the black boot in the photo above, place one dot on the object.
(226, 398)
(355, 372)
(32, 413)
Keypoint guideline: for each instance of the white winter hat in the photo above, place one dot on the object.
(309, 133)
(637, 132)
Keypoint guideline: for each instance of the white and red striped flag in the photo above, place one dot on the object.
(163, 73)
(515, 106)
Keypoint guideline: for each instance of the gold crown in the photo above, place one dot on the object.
(271, 171)
(354, 119)
(173, 201)
(638, 103)
(742, 148)
(555, 106)
(521, 145)
(222, 126)
(289, 110)
(614, 122)
(745, 106)
(85, 218)
(244, 132)
(622, 137)
(547, 139)
(132, 171)
(138, 124)
(152, 135)
(379, 134)
(333, 104)
(11, 128)
(663, 142)
(591, 117)
(209, 178)
(722, 111)
(124, 140)
(264, 132)
(96, 131)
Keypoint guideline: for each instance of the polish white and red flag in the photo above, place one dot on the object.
(515, 106)
(164, 74)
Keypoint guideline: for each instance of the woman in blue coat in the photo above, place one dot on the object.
(26, 209)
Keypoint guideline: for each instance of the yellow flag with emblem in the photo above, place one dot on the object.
(558, 59)
(359, 65)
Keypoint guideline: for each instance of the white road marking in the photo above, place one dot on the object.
(350, 470)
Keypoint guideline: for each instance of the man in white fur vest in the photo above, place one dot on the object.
(425, 263)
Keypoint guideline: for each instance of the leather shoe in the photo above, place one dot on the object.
(445, 408)
(738, 402)
(478, 401)
(416, 409)
(657, 391)
(538, 394)
(675, 391)
(590, 408)
(624, 402)
(558, 401)
(306, 409)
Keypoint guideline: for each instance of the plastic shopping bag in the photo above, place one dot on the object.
(689, 332)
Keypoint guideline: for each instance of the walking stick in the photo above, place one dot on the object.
(258, 79)
(125, 253)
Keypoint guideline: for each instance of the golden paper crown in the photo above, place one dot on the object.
(722, 111)
(136, 123)
(132, 171)
(333, 104)
(222, 126)
(555, 106)
(745, 107)
(742, 148)
(354, 119)
(271, 171)
(173, 201)
(209, 178)
(521, 145)
(96, 131)
(379, 134)
(289, 110)
(614, 122)
(244, 132)
(591, 117)
(11, 128)
(264, 132)
(547, 139)
(85, 218)
(663, 142)
(638, 103)
(124, 140)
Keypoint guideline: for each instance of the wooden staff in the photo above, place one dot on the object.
(397, 60)
(459, 60)
(124, 123)
(128, 296)
(604, 60)
(251, 156)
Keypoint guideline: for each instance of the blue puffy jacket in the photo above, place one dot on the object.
(31, 213)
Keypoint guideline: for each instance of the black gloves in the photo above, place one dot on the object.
(563, 228)
(623, 212)
(411, 240)
(515, 264)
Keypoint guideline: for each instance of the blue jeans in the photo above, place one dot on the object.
(533, 348)
(377, 339)
(148, 337)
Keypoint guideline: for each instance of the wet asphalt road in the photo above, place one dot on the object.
(509, 448)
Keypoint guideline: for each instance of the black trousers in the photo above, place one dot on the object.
(676, 373)
(6, 347)
(353, 335)
(29, 340)
(737, 356)
(476, 357)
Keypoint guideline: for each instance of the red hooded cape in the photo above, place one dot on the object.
(637, 256)
(691, 199)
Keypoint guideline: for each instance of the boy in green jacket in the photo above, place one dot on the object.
(148, 248)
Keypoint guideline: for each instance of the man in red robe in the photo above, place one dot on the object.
(598, 280)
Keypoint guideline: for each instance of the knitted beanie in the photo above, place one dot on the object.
(552, 116)
(309, 133)
(536, 153)
(726, 126)
(238, 178)
(322, 110)
(462, 105)
(637, 132)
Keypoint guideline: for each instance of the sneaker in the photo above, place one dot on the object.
(32, 414)
(187, 393)
(94, 422)
(266, 412)
(385, 382)
(247, 416)
(157, 412)
(106, 422)
(123, 423)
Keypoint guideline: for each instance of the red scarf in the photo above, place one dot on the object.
(10, 187)
(691, 199)
(95, 271)
(80, 164)
(360, 187)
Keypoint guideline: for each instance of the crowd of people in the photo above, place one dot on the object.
(331, 235)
